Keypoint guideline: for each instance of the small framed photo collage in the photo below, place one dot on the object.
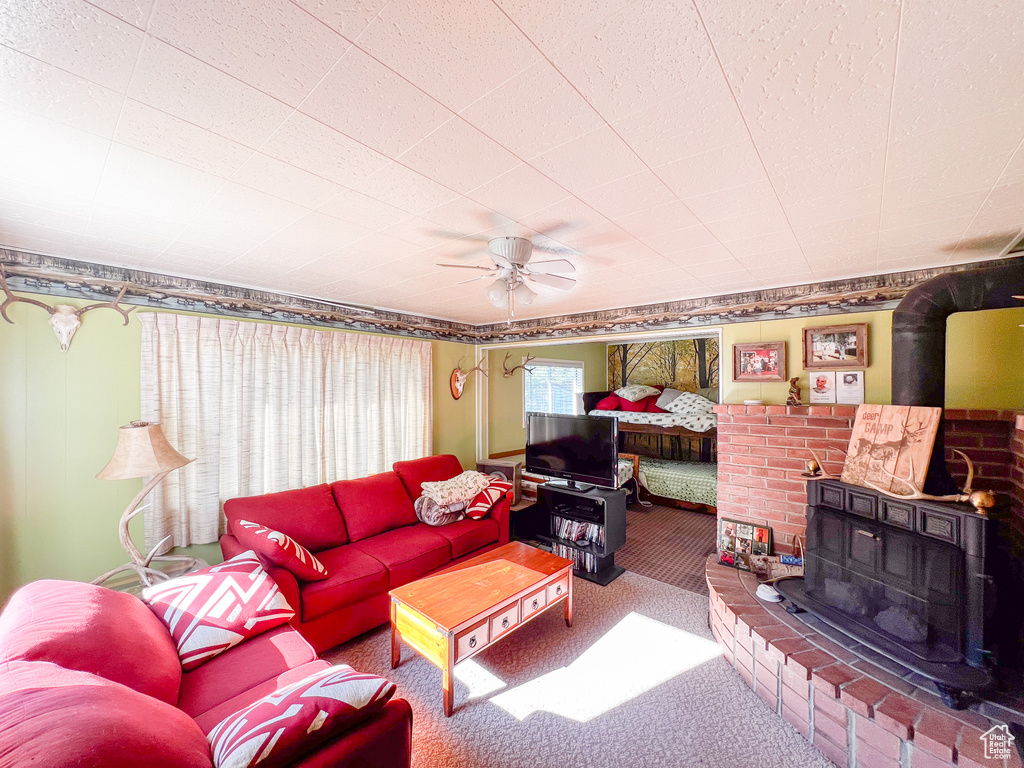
(737, 541)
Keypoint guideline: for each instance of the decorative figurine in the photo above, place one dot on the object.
(794, 392)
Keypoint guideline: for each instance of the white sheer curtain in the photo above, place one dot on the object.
(265, 408)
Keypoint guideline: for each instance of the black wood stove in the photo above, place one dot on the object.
(913, 580)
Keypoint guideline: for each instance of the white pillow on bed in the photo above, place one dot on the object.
(667, 397)
(636, 392)
(690, 404)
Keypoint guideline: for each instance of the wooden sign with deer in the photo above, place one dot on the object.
(891, 442)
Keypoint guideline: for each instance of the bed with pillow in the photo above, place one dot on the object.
(682, 416)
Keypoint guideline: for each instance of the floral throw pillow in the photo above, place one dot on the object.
(636, 392)
(215, 608)
(460, 488)
(280, 549)
(289, 722)
(487, 498)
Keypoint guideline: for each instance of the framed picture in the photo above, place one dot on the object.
(823, 386)
(836, 346)
(761, 361)
(850, 387)
(738, 541)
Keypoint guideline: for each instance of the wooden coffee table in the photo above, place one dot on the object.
(455, 614)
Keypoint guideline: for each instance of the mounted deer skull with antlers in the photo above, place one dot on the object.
(64, 318)
(509, 371)
(458, 379)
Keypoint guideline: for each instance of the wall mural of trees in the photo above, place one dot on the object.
(684, 364)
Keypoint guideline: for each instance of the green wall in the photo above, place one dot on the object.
(983, 358)
(505, 430)
(59, 415)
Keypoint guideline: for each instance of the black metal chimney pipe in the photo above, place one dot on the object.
(919, 340)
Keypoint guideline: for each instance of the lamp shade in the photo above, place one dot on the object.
(142, 451)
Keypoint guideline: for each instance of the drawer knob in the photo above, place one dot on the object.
(558, 589)
(504, 623)
(472, 642)
(536, 604)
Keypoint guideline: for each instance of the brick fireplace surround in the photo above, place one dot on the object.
(856, 713)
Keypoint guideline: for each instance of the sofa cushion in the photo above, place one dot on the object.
(280, 549)
(209, 720)
(467, 535)
(354, 576)
(215, 608)
(372, 505)
(308, 515)
(407, 553)
(283, 725)
(428, 469)
(56, 717)
(244, 666)
(75, 625)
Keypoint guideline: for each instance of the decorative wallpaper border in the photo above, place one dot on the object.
(49, 275)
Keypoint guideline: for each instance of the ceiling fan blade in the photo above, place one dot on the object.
(474, 279)
(465, 266)
(556, 250)
(557, 226)
(553, 281)
(558, 266)
(500, 260)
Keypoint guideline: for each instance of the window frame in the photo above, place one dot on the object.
(553, 362)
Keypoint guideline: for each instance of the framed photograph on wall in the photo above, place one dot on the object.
(836, 346)
(823, 386)
(759, 361)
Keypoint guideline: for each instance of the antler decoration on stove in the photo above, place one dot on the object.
(980, 500)
(64, 318)
(510, 371)
(815, 469)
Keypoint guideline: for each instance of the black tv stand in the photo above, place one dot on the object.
(585, 526)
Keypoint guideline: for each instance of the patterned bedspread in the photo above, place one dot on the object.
(692, 481)
(695, 422)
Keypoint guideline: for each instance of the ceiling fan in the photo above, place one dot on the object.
(512, 269)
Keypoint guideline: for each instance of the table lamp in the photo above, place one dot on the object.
(143, 451)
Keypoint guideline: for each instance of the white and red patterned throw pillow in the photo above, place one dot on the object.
(216, 608)
(279, 727)
(280, 549)
(487, 498)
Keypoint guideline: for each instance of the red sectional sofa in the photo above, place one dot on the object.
(91, 677)
(366, 534)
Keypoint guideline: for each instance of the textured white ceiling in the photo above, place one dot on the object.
(690, 148)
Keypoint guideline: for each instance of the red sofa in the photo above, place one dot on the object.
(366, 534)
(91, 677)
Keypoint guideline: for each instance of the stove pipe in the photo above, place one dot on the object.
(919, 341)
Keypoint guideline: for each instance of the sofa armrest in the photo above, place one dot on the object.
(501, 513)
(285, 579)
(383, 741)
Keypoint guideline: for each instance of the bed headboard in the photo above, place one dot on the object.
(590, 400)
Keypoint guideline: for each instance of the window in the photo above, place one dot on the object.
(555, 386)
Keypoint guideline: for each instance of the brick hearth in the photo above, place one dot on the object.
(852, 711)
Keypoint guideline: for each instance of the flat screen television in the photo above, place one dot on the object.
(579, 449)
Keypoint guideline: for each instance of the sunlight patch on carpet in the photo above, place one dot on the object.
(479, 681)
(633, 657)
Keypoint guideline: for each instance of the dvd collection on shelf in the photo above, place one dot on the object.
(577, 531)
(582, 561)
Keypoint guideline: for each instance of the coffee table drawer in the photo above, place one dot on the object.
(504, 621)
(558, 589)
(471, 640)
(533, 603)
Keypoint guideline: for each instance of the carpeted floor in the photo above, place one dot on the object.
(637, 682)
(668, 545)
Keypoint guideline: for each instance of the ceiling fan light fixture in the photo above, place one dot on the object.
(496, 293)
(523, 294)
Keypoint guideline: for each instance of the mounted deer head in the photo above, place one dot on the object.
(509, 371)
(457, 382)
(64, 318)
